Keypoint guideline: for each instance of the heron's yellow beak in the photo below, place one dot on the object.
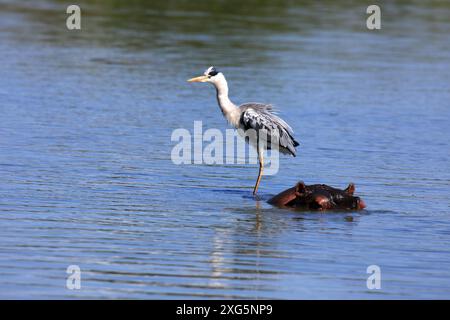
(199, 79)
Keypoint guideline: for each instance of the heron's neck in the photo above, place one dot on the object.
(228, 108)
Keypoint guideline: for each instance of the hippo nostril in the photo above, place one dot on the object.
(320, 202)
(361, 204)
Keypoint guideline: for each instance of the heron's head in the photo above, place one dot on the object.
(210, 75)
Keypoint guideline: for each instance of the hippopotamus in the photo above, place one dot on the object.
(318, 197)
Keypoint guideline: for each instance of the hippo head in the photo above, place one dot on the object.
(323, 197)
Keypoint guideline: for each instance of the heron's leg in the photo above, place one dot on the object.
(261, 168)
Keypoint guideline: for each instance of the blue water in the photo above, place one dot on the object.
(85, 146)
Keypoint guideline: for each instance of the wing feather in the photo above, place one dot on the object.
(258, 116)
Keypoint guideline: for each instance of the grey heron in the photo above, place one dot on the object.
(252, 116)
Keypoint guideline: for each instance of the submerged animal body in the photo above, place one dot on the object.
(318, 197)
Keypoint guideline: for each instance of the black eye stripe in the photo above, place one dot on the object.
(213, 72)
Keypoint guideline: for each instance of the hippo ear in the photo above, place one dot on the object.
(300, 187)
(350, 189)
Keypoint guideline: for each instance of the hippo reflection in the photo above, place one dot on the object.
(318, 197)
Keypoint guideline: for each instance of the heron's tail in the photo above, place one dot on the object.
(290, 148)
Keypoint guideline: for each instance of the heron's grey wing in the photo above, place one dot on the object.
(259, 117)
(257, 106)
(267, 108)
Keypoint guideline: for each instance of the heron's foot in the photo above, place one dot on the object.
(257, 197)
